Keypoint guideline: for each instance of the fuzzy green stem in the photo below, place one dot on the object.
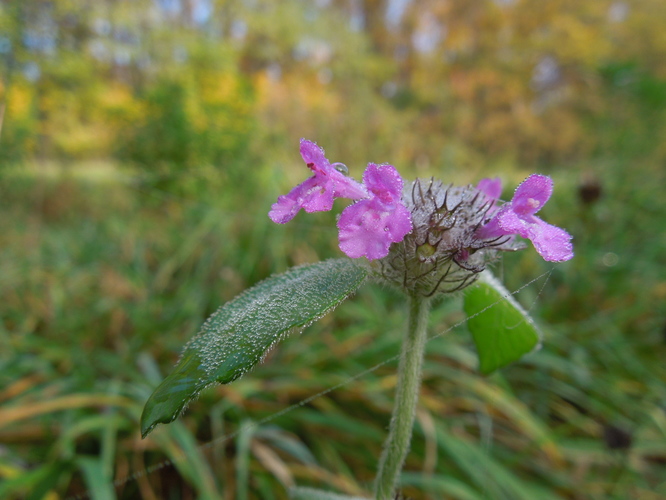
(407, 395)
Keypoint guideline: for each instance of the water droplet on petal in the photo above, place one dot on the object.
(341, 167)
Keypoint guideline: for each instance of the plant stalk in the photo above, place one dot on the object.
(397, 443)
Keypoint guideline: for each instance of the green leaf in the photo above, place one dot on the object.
(241, 332)
(502, 330)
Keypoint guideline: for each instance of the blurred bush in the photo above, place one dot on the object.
(17, 124)
(188, 122)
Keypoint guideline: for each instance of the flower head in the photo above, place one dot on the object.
(368, 227)
(517, 217)
(316, 193)
(442, 254)
(433, 238)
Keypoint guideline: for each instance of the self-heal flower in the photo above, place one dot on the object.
(517, 217)
(316, 194)
(370, 226)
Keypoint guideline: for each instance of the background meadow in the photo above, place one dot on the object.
(141, 145)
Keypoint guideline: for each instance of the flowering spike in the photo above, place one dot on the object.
(517, 217)
(316, 193)
(438, 238)
(368, 227)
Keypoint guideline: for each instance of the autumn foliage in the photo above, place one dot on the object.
(422, 83)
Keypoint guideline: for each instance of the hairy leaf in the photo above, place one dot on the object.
(241, 332)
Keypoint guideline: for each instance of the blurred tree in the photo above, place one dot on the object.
(406, 80)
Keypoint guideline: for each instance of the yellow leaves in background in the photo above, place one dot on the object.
(118, 100)
(517, 79)
(19, 101)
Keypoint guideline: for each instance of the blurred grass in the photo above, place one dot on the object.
(104, 277)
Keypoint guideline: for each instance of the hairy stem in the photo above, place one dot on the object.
(406, 397)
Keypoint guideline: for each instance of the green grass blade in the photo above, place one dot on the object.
(441, 485)
(240, 333)
(495, 480)
(287, 443)
(183, 451)
(243, 459)
(34, 484)
(299, 493)
(99, 484)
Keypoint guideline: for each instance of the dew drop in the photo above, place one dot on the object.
(341, 167)
(610, 259)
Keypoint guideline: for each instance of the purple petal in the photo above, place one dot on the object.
(517, 217)
(532, 194)
(504, 222)
(316, 193)
(492, 188)
(317, 196)
(329, 178)
(362, 231)
(368, 228)
(309, 195)
(552, 243)
(400, 223)
(383, 181)
(490, 230)
(284, 210)
(346, 187)
(509, 222)
(314, 156)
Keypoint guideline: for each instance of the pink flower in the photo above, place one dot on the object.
(492, 188)
(368, 227)
(316, 194)
(517, 217)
